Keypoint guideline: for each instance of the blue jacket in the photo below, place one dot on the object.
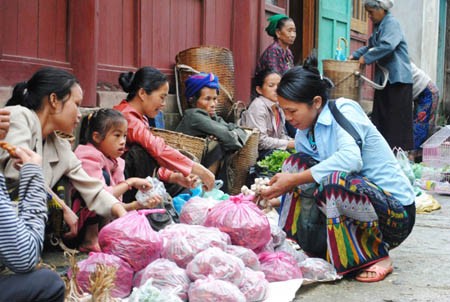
(388, 47)
(338, 151)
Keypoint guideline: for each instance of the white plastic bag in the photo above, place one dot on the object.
(405, 165)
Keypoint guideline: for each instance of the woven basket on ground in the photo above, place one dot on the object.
(194, 146)
(242, 161)
(345, 76)
(217, 60)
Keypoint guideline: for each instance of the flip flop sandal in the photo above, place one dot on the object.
(380, 273)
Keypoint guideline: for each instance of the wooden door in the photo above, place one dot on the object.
(333, 22)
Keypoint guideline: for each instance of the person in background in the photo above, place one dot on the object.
(278, 56)
(426, 99)
(147, 91)
(201, 120)
(265, 114)
(392, 106)
(22, 233)
(103, 142)
(365, 198)
(49, 101)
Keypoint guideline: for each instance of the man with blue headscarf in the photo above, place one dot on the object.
(201, 120)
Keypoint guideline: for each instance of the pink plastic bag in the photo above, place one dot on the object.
(240, 218)
(212, 290)
(183, 241)
(279, 266)
(124, 273)
(196, 209)
(216, 263)
(132, 239)
(249, 257)
(166, 276)
(254, 285)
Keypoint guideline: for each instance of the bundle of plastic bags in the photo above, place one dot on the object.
(166, 276)
(124, 273)
(213, 290)
(132, 239)
(279, 266)
(218, 264)
(240, 218)
(183, 241)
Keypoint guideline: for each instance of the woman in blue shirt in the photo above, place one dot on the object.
(366, 199)
(392, 106)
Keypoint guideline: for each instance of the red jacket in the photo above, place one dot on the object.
(139, 133)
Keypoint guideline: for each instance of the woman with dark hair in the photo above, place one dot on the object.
(364, 200)
(278, 56)
(147, 91)
(47, 102)
(265, 114)
(392, 106)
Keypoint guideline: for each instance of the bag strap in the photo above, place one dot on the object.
(106, 176)
(344, 123)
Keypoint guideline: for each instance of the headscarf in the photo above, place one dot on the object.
(197, 81)
(273, 23)
(384, 4)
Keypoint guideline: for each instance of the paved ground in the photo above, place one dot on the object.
(421, 268)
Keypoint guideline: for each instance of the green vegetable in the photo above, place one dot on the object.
(274, 161)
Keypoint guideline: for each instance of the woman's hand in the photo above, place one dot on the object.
(205, 175)
(280, 184)
(141, 184)
(190, 181)
(150, 203)
(71, 220)
(362, 61)
(4, 122)
(25, 156)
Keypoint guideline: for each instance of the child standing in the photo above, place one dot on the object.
(102, 142)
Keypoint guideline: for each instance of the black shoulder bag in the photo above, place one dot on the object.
(311, 224)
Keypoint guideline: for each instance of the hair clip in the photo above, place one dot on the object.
(25, 91)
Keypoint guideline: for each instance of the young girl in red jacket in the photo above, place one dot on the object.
(102, 143)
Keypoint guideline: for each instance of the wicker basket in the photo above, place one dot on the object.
(213, 59)
(345, 76)
(195, 146)
(242, 161)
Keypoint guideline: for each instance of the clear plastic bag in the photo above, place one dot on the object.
(248, 256)
(158, 188)
(177, 281)
(218, 264)
(150, 293)
(317, 269)
(196, 210)
(212, 290)
(254, 285)
(405, 165)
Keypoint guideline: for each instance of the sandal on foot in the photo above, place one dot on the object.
(380, 273)
(94, 249)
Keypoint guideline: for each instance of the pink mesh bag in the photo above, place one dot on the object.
(132, 239)
(279, 266)
(240, 218)
(124, 273)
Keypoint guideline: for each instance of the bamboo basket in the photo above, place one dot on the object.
(194, 146)
(217, 60)
(242, 161)
(345, 76)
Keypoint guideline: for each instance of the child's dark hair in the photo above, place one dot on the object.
(44, 82)
(302, 83)
(101, 121)
(147, 78)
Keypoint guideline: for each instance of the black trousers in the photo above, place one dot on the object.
(41, 285)
(392, 115)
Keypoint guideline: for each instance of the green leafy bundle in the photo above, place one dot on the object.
(274, 161)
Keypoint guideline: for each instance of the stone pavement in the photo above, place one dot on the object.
(421, 268)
